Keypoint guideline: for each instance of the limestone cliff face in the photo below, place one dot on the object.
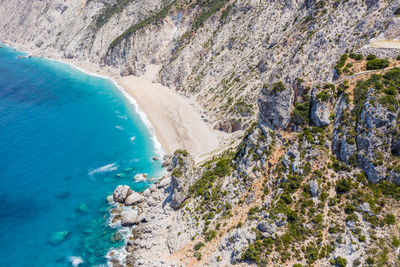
(221, 51)
(321, 119)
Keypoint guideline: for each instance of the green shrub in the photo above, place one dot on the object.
(210, 235)
(390, 219)
(356, 56)
(197, 255)
(343, 186)
(105, 14)
(252, 253)
(222, 169)
(209, 7)
(198, 246)
(398, 57)
(301, 113)
(370, 260)
(253, 210)
(395, 242)
(371, 57)
(393, 75)
(205, 183)
(341, 262)
(287, 198)
(333, 229)
(278, 87)
(323, 96)
(349, 209)
(332, 202)
(160, 15)
(377, 64)
(340, 64)
(311, 254)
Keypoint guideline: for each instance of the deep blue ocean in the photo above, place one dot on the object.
(64, 138)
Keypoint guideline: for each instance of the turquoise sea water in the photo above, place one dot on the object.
(64, 137)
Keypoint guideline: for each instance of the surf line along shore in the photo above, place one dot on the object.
(177, 123)
(173, 120)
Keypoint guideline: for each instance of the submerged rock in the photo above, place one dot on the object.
(58, 237)
(121, 193)
(83, 208)
(116, 237)
(63, 195)
(120, 175)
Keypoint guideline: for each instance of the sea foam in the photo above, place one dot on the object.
(157, 145)
(75, 261)
(103, 169)
(143, 116)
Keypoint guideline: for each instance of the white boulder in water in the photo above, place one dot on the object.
(129, 218)
(121, 193)
(110, 199)
(134, 198)
(141, 177)
(75, 261)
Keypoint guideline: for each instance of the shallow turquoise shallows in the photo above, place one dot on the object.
(67, 139)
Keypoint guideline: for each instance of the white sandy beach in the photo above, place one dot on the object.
(174, 118)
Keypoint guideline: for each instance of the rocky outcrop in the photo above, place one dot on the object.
(266, 227)
(181, 177)
(230, 249)
(291, 160)
(374, 120)
(320, 107)
(129, 218)
(121, 193)
(134, 198)
(228, 126)
(275, 104)
(314, 188)
(343, 142)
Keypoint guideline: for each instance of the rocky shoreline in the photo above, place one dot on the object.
(147, 218)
